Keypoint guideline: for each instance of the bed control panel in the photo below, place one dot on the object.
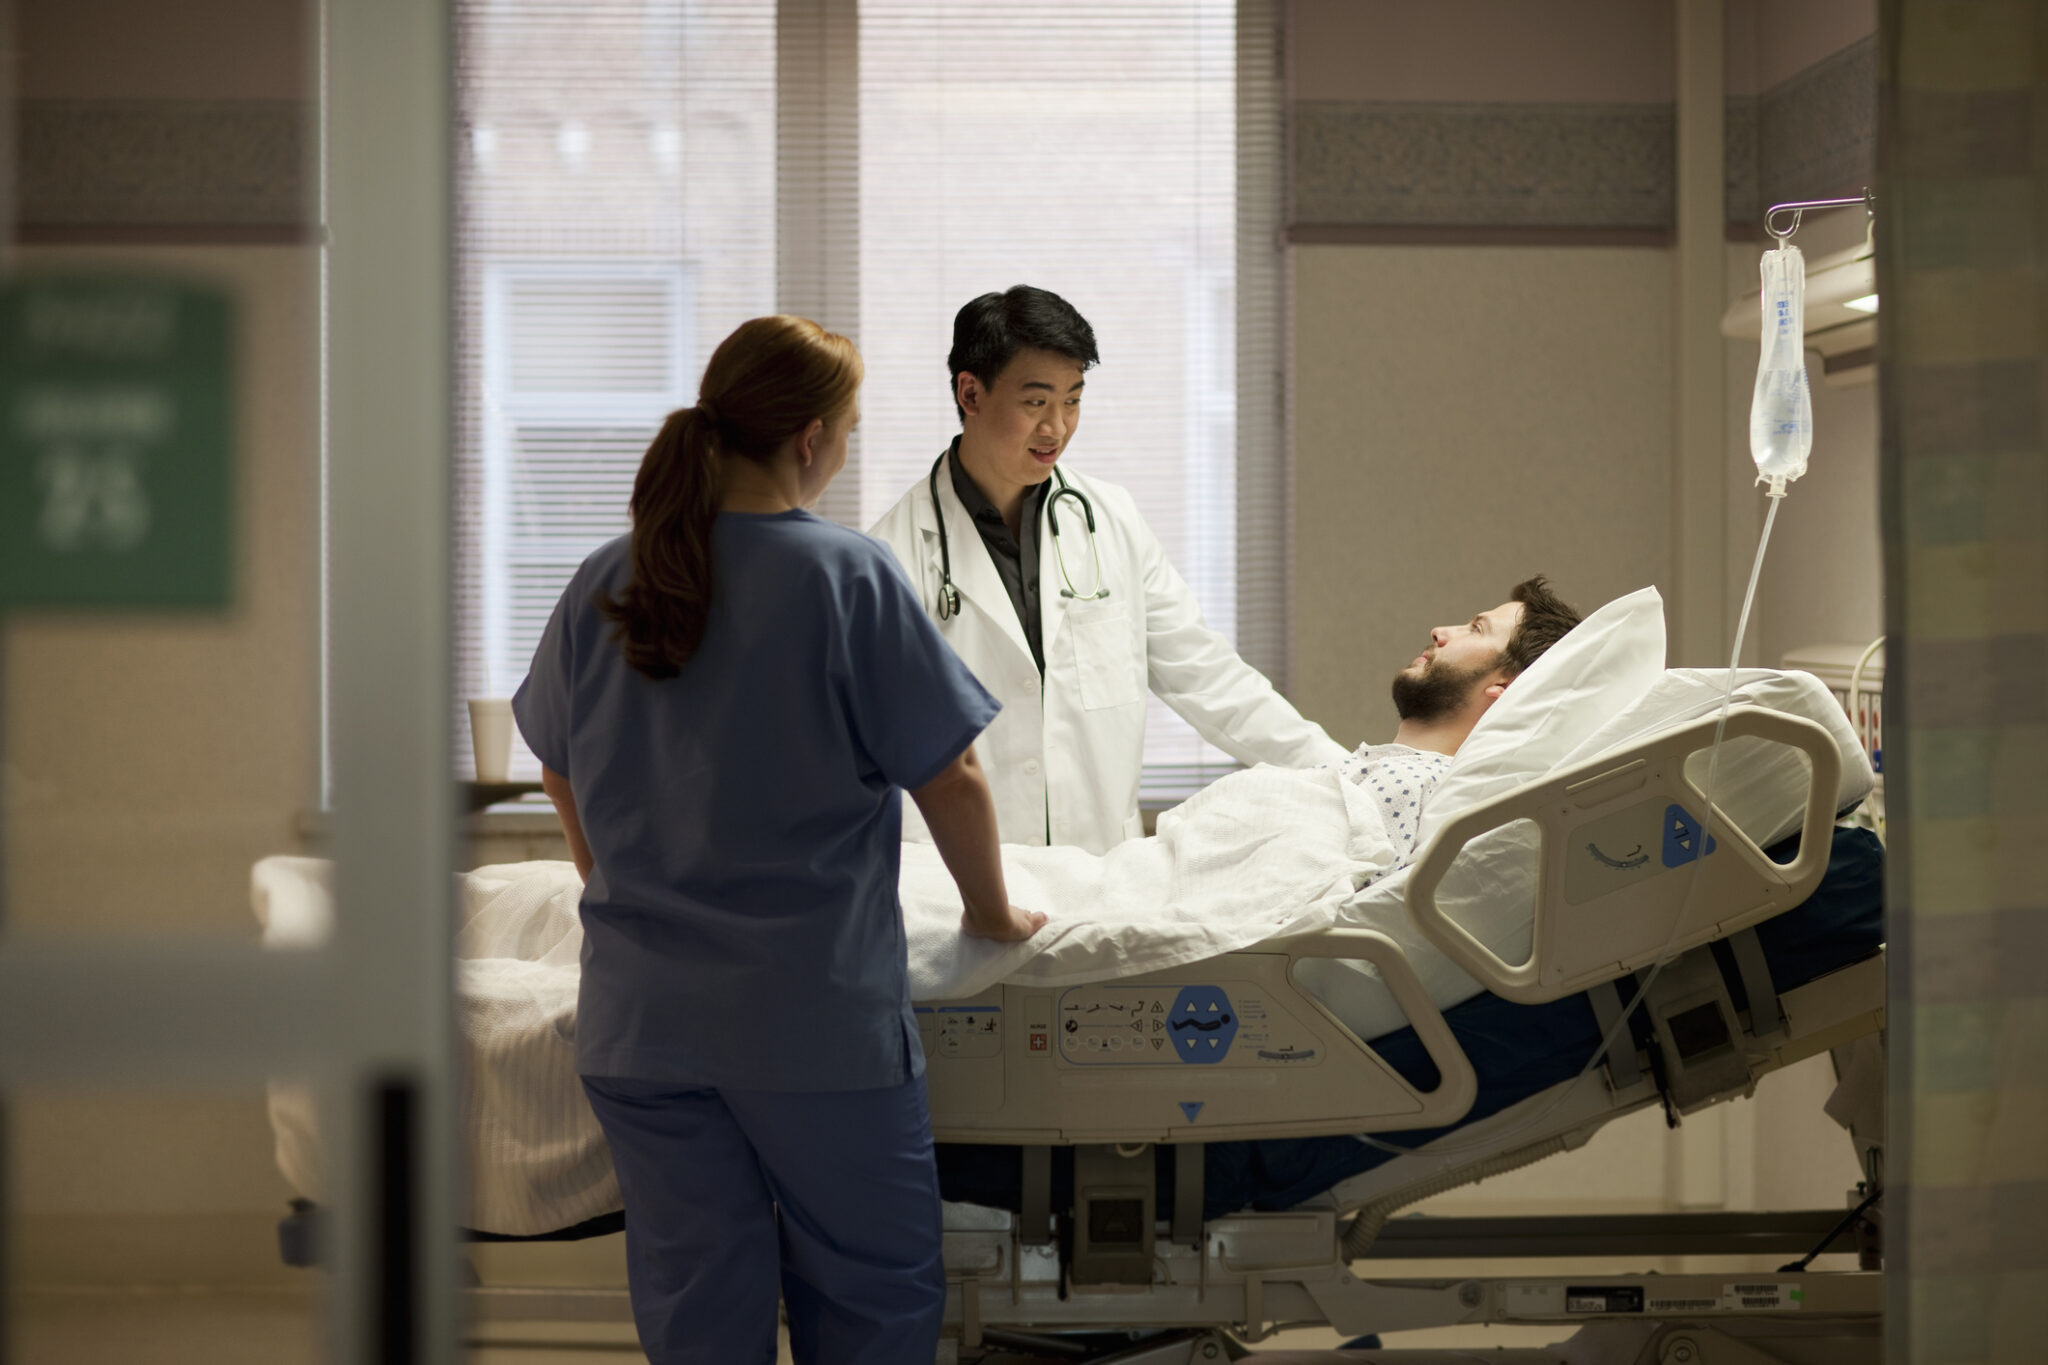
(1221, 1024)
(961, 1030)
(1634, 844)
(1177, 1055)
(964, 1040)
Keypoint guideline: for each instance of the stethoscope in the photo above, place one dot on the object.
(949, 596)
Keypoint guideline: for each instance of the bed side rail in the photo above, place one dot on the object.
(1619, 846)
(1227, 1048)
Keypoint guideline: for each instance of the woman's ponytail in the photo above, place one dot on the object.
(659, 619)
(766, 382)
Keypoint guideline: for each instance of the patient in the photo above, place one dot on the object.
(1443, 693)
(1439, 698)
(1255, 855)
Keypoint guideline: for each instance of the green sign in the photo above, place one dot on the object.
(116, 422)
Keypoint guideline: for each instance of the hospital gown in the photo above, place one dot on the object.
(1399, 779)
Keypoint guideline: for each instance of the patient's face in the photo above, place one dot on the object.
(1459, 659)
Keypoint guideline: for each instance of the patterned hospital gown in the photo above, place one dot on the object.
(1398, 778)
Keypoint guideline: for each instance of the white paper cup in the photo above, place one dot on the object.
(490, 733)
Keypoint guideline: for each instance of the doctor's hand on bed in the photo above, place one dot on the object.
(961, 815)
(1010, 925)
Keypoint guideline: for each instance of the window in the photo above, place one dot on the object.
(581, 362)
(631, 189)
(608, 218)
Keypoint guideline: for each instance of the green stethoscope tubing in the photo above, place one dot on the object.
(949, 596)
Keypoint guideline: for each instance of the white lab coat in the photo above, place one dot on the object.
(1067, 763)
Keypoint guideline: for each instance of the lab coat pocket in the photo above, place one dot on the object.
(1111, 671)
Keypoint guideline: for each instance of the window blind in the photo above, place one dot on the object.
(615, 168)
(636, 177)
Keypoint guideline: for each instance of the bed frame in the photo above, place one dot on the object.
(1235, 1048)
(1036, 1067)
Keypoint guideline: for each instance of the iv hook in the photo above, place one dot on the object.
(1797, 208)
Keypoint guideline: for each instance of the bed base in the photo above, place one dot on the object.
(1250, 1273)
(1244, 1276)
(1014, 1066)
(1241, 1277)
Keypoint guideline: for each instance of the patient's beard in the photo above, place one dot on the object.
(1436, 693)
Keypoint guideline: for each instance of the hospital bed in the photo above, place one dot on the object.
(1104, 1225)
(1766, 973)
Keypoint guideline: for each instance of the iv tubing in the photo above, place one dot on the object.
(1866, 728)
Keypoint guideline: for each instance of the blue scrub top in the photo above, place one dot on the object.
(741, 925)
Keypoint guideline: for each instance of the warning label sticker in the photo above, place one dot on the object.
(1774, 1297)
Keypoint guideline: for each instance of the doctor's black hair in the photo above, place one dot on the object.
(990, 331)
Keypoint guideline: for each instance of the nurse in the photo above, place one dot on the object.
(726, 704)
(1058, 595)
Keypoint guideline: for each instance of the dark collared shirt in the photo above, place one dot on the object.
(1016, 562)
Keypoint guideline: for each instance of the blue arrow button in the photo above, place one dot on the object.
(1681, 837)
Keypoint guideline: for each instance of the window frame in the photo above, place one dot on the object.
(503, 410)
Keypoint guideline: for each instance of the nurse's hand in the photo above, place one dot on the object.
(961, 815)
(1013, 926)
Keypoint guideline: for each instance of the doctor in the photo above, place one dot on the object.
(1056, 593)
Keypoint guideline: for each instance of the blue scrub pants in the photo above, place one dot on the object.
(705, 1174)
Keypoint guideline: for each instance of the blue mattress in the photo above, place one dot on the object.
(1517, 1051)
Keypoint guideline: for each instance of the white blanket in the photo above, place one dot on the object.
(1262, 853)
(1259, 854)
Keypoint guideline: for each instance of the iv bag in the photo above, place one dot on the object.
(1781, 410)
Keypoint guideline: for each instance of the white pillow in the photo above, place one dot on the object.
(1760, 785)
(1601, 668)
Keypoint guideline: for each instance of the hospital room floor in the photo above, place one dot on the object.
(257, 1328)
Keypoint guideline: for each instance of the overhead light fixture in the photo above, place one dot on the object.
(1866, 304)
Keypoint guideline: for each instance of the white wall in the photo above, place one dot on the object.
(1823, 578)
(1561, 51)
(1466, 417)
(1787, 39)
